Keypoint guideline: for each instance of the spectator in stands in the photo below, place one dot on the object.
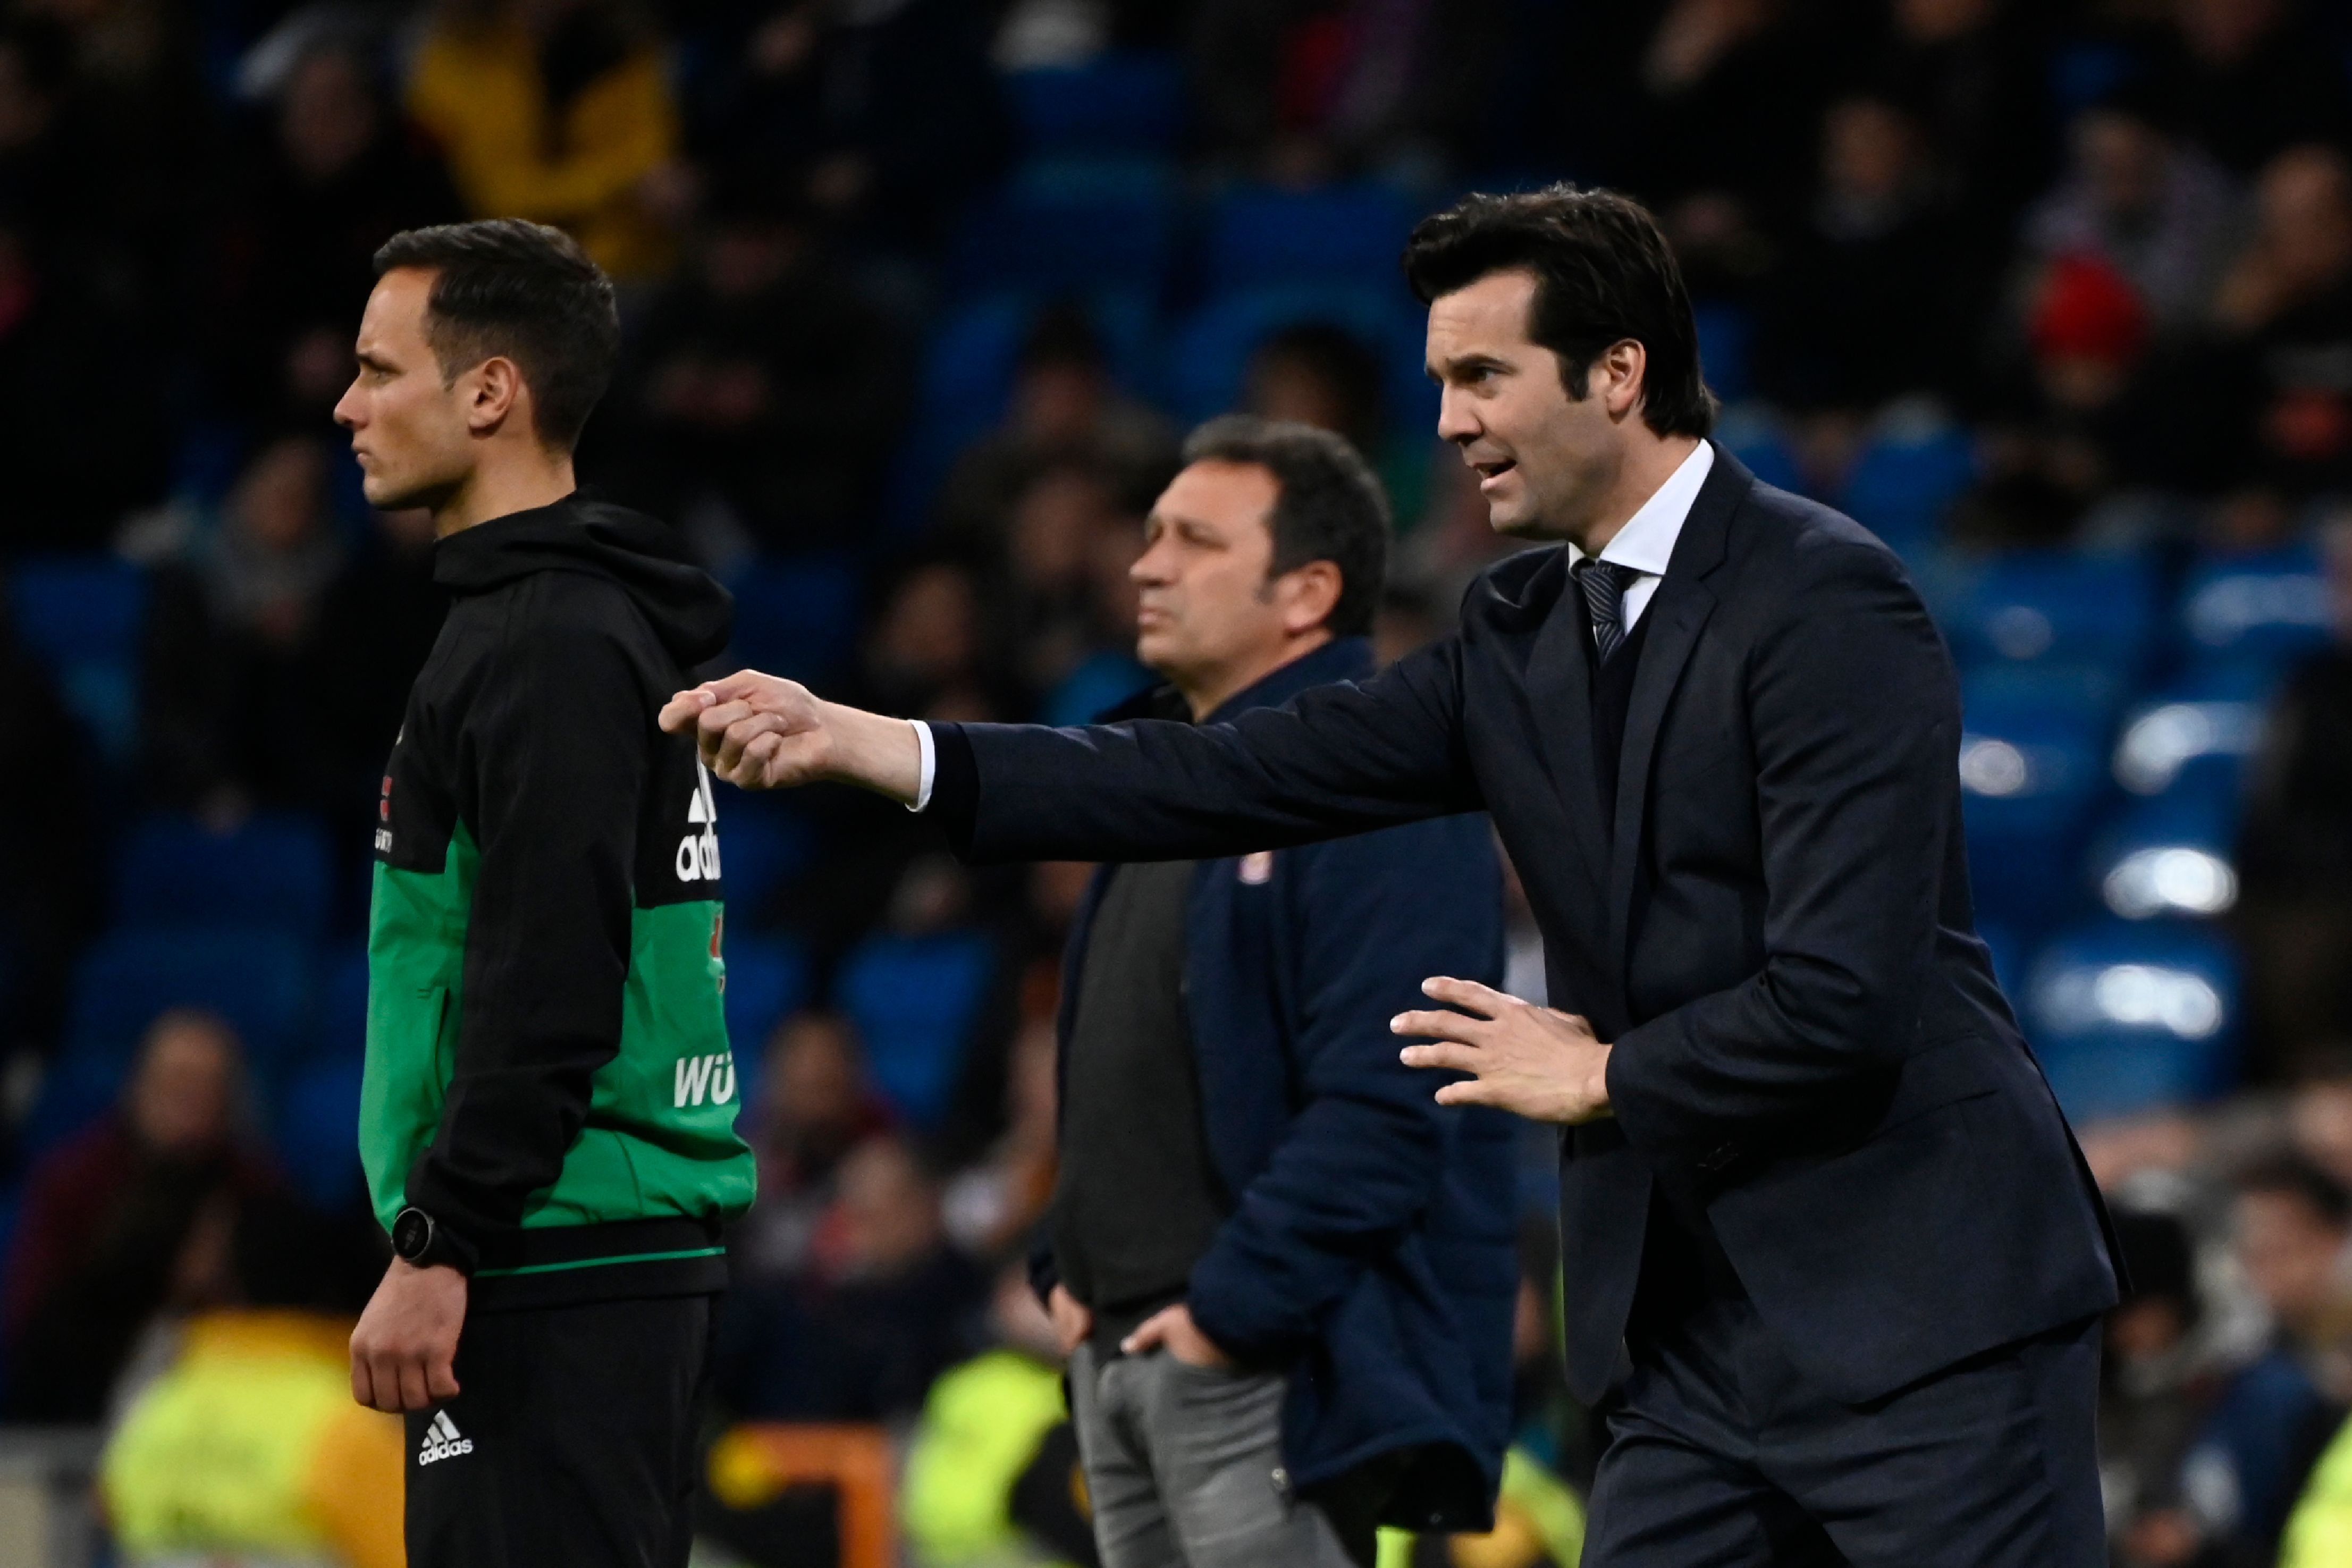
(1304, 90)
(1065, 535)
(2255, 77)
(2319, 1112)
(36, 179)
(1063, 407)
(2294, 849)
(63, 354)
(246, 1444)
(334, 174)
(230, 682)
(50, 903)
(929, 654)
(881, 118)
(108, 1216)
(560, 112)
(2319, 1532)
(1865, 306)
(2155, 209)
(883, 1305)
(1729, 90)
(816, 1108)
(376, 626)
(1973, 75)
(2285, 307)
(2156, 1388)
(2268, 1421)
(762, 385)
(992, 1206)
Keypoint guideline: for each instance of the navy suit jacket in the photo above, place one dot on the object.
(1774, 928)
(1370, 1251)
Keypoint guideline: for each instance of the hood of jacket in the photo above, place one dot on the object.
(688, 609)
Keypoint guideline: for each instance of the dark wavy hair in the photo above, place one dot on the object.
(1604, 273)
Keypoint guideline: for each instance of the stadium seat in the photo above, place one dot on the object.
(2032, 763)
(2056, 607)
(2264, 607)
(82, 615)
(1128, 101)
(342, 1002)
(270, 870)
(79, 1087)
(916, 999)
(762, 844)
(1104, 681)
(1209, 352)
(317, 1124)
(1726, 334)
(1749, 433)
(259, 981)
(1262, 236)
(2131, 1017)
(795, 614)
(2210, 719)
(768, 980)
(1906, 477)
(2171, 855)
(1072, 225)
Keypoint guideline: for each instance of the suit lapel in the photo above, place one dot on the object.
(1677, 614)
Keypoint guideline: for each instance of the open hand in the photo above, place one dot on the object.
(1545, 1065)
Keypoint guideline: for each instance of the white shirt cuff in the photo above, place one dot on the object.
(931, 764)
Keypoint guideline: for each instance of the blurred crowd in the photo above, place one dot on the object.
(919, 296)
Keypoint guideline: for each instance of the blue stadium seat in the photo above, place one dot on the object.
(1749, 433)
(317, 1127)
(82, 616)
(916, 999)
(795, 616)
(1104, 681)
(270, 870)
(1126, 100)
(2059, 608)
(2032, 763)
(342, 1002)
(78, 1088)
(2266, 607)
(768, 980)
(2209, 720)
(1209, 352)
(761, 846)
(1262, 236)
(1906, 478)
(2131, 1017)
(1072, 225)
(2170, 856)
(261, 981)
(1727, 333)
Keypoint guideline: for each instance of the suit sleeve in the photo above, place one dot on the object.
(1364, 1155)
(1855, 715)
(1335, 759)
(553, 760)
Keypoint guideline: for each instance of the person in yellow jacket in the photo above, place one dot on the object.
(556, 111)
(249, 1443)
(2319, 1530)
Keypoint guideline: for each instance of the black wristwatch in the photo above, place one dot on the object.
(418, 1241)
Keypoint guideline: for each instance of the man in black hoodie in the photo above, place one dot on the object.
(547, 1119)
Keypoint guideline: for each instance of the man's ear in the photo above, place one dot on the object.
(498, 394)
(1309, 594)
(1618, 375)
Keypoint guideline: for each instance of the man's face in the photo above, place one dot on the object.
(2289, 1251)
(409, 429)
(1543, 458)
(1203, 602)
(181, 1098)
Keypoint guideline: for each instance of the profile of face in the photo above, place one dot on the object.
(1544, 458)
(417, 432)
(183, 1097)
(1205, 599)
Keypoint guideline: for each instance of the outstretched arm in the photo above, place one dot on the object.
(1335, 759)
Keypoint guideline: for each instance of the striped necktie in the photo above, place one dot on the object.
(1603, 584)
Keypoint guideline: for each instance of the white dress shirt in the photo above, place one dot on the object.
(1645, 543)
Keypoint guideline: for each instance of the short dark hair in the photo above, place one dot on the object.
(526, 292)
(1329, 505)
(2295, 1176)
(1604, 273)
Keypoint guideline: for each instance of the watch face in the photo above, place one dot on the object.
(412, 1233)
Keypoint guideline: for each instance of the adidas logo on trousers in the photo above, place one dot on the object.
(441, 1440)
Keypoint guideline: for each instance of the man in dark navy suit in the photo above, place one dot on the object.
(1833, 1264)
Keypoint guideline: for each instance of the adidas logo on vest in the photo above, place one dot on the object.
(441, 1440)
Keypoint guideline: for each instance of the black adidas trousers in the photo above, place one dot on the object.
(572, 1441)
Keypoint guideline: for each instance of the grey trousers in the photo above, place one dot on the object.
(1184, 1467)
